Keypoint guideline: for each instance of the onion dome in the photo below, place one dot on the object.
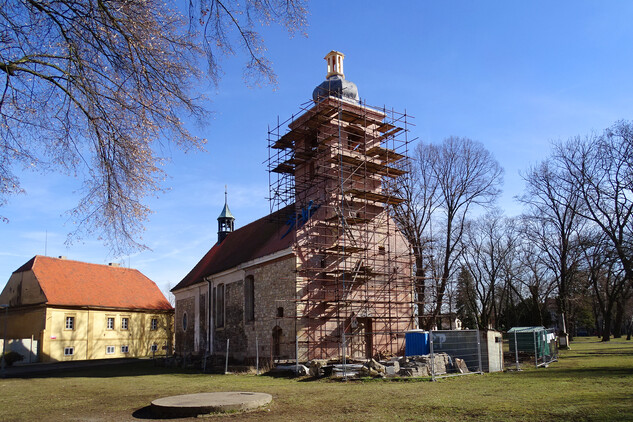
(335, 84)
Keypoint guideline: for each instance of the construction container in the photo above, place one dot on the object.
(416, 343)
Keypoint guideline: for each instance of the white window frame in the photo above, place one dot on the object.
(153, 325)
(71, 326)
(125, 349)
(125, 323)
(154, 347)
(69, 351)
(110, 323)
(110, 350)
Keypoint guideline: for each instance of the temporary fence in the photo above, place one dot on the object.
(531, 345)
(455, 352)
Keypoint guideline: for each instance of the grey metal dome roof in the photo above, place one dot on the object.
(336, 86)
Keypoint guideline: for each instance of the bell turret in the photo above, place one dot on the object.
(225, 220)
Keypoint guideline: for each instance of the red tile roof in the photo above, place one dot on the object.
(73, 283)
(262, 237)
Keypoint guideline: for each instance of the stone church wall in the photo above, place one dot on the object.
(273, 289)
(185, 339)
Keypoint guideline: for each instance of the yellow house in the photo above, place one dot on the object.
(74, 310)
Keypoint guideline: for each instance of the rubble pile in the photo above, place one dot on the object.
(410, 366)
(424, 366)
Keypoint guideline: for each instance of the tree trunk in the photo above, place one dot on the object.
(606, 332)
(619, 317)
(420, 288)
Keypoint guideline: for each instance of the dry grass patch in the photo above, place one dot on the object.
(591, 382)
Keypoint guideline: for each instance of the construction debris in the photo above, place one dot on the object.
(410, 366)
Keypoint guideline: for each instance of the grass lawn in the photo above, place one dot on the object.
(591, 382)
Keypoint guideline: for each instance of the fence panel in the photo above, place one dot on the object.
(455, 352)
(531, 346)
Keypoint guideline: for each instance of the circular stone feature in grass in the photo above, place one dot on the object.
(189, 405)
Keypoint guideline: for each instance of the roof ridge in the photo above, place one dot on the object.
(114, 267)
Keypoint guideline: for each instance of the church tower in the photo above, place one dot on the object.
(336, 163)
(225, 220)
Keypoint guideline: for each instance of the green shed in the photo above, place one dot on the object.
(529, 340)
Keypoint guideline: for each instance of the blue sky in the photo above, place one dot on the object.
(513, 75)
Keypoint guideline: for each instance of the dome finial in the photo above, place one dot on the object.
(334, 64)
(335, 84)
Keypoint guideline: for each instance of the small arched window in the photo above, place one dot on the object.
(184, 321)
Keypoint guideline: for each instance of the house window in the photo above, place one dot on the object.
(70, 322)
(219, 306)
(153, 324)
(184, 321)
(249, 299)
(110, 324)
(69, 351)
(125, 323)
(154, 347)
(125, 349)
(110, 350)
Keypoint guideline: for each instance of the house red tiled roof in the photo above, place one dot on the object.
(262, 237)
(73, 283)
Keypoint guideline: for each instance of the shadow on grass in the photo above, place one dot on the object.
(110, 370)
(145, 413)
(595, 372)
(621, 351)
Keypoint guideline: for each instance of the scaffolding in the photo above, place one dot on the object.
(354, 292)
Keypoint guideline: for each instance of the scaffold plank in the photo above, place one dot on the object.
(385, 154)
(392, 132)
(284, 168)
(376, 197)
(372, 165)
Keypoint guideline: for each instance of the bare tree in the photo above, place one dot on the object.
(467, 176)
(220, 18)
(600, 168)
(413, 216)
(553, 224)
(607, 279)
(93, 88)
(489, 243)
(534, 279)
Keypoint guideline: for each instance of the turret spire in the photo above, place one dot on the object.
(226, 219)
